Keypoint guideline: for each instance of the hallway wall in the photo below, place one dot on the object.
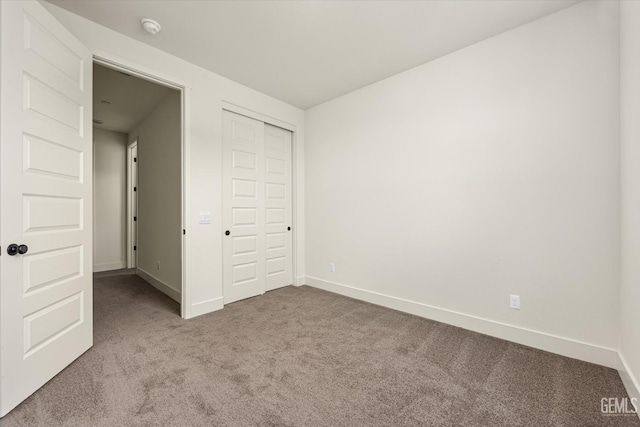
(160, 196)
(109, 210)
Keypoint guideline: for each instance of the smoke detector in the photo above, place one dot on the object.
(151, 26)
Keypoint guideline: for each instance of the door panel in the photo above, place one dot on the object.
(278, 205)
(243, 207)
(45, 294)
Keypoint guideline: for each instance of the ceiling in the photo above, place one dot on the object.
(308, 52)
(121, 101)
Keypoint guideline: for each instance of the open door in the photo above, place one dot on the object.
(46, 302)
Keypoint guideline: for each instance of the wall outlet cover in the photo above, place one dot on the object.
(514, 302)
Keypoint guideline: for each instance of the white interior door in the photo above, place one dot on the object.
(46, 200)
(257, 207)
(243, 207)
(279, 263)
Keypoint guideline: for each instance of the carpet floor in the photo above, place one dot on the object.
(305, 357)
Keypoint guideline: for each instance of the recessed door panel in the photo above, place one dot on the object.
(52, 50)
(244, 188)
(275, 265)
(276, 241)
(276, 166)
(243, 273)
(244, 217)
(276, 191)
(51, 213)
(244, 132)
(46, 101)
(45, 325)
(244, 160)
(46, 269)
(50, 158)
(244, 245)
(276, 216)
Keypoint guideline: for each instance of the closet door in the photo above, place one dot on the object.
(243, 207)
(278, 207)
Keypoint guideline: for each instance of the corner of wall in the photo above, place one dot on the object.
(629, 381)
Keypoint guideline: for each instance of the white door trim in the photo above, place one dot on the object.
(234, 108)
(130, 67)
(131, 254)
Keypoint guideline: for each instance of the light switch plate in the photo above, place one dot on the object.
(205, 217)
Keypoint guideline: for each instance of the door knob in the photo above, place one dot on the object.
(14, 249)
(288, 228)
(226, 233)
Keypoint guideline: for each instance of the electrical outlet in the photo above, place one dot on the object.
(514, 302)
(158, 266)
(332, 267)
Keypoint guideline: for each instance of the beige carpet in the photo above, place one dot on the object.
(305, 357)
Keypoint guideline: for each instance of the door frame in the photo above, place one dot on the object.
(132, 260)
(295, 214)
(129, 67)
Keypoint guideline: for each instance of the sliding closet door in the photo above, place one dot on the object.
(278, 207)
(257, 207)
(243, 207)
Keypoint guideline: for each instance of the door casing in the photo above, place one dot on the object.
(132, 204)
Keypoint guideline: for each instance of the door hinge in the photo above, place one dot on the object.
(135, 218)
(135, 248)
(135, 188)
(184, 231)
(135, 159)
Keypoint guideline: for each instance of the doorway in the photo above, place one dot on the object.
(137, 178)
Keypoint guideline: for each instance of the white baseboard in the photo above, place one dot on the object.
(298, 281)
(108, 266)
(159, 285)
(555, 344)
(204, 307)
(629, 380)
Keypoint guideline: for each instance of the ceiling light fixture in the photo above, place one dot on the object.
(151, 26)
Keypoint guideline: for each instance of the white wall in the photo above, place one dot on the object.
(205, 95)
(159, 195)
(630, 154)
(110, 200)
(491, 171)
